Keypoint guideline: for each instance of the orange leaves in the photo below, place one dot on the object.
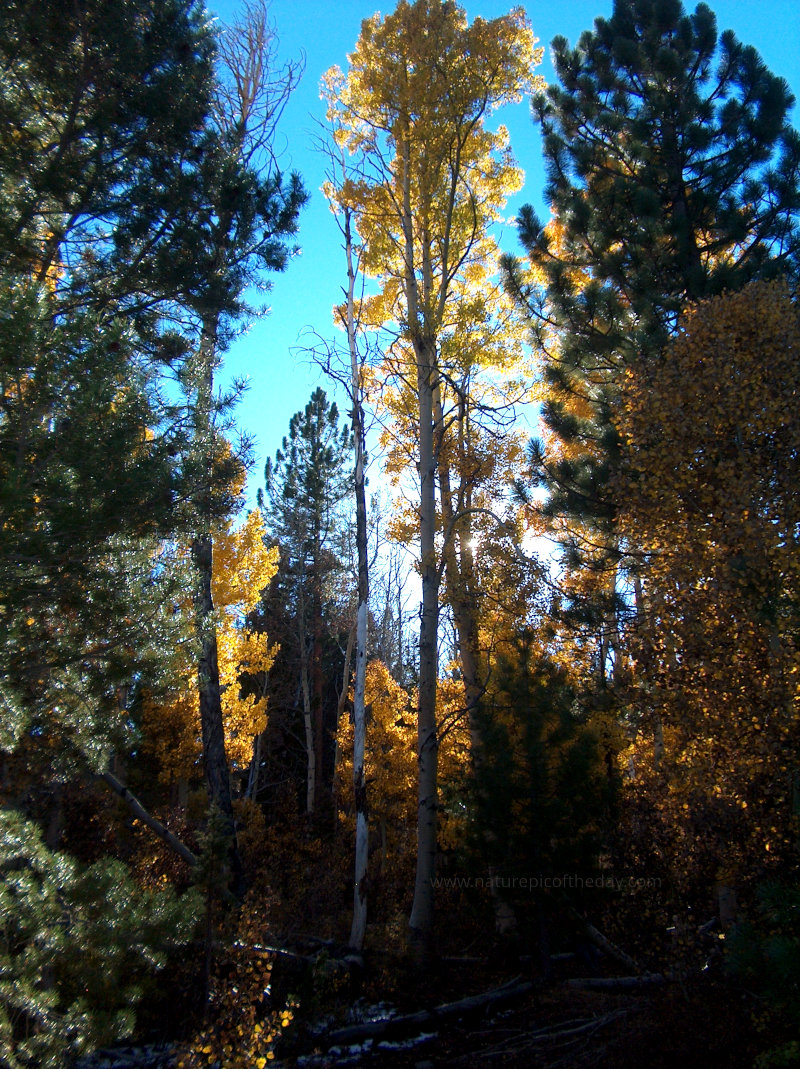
(391, 751)
(709, 501)
(243, 565)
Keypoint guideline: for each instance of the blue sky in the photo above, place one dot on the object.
(270, 355)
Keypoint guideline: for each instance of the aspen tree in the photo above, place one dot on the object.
(412, 105)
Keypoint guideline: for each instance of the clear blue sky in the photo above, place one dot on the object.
(281, 379)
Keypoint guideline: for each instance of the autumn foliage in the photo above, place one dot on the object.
(711, 515)
(243, 567)
(582, 679)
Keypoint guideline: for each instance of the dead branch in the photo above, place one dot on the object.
(618, 983)
(391, 1027)
(152, 822)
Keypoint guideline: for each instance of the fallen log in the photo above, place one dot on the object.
(605, 983)
(599, 940)
(393, 1027)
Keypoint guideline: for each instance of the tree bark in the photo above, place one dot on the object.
(359, 925)
(421, 919)
(152, 822)
(308, 722)
(461, 594)
(316, 676)
(215, 761)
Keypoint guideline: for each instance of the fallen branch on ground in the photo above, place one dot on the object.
(602, 983)
(559, 1035)
(391, 1027)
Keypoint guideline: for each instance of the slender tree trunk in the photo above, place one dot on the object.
(459, 587)
(308, 721)
(215, 761)
(421, 919)
(359, 925)
(147, 818)
(419, 310)
(255, 768)
(342, 703)
(317, 686)
(461, 596)
(305, 691)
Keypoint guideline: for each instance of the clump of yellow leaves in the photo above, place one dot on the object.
(712, 436)
(391, 758)
(247, 1027)
(243, 566)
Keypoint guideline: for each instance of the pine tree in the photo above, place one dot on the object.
(673, 174)
(306, 485)
(89, 446)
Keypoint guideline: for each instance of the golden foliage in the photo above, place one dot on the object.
(710, 503)
(428, 182)
(390, 765)
(243, 566)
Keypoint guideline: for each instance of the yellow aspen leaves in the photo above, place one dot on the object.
(709, 500)
(243, 567)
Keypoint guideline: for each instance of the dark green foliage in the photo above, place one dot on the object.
(102, 190)
(673, 174)
(763, 954)
(77, 948)
(310, 477)
(306, 487)
(549, 785)
(103, 136)
(671, 166)
(129, 222)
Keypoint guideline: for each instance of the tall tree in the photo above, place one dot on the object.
(305, 487)
(356, 395)
(420, 84)
(247, 232)
(708, 494)
(100, 194)
(673, 175)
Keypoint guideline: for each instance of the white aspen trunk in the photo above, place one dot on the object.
(255, 766)
(420, 922)
(359, 925)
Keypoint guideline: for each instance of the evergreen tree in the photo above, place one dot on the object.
(111, 187)
(306, 485)
(673, 174)
(99, 191)
(247, 232)
(77, 947)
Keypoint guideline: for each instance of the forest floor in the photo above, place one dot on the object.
(559, 1026)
